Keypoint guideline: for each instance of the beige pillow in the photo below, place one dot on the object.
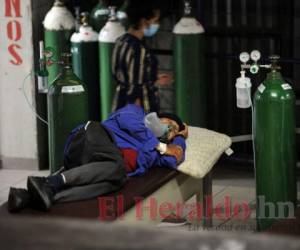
(204, 148)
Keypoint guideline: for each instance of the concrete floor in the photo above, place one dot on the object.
(239, 186)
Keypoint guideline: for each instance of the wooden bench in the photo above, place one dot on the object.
(162, 184)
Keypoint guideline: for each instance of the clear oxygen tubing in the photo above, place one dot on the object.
(252, 134)
(28, 102)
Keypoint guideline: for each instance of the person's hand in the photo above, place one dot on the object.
(138, 102)
(176, 151)
(185, 132)
(164, 79)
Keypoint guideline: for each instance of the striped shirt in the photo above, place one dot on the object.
(135, 70)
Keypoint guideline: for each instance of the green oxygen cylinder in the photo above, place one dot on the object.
(84, 48)
(58, 25)
(275, 152)
(67, 108)
(99, 16)
(107, 38)
(190, 89)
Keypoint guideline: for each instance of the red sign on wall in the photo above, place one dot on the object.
(14, 30)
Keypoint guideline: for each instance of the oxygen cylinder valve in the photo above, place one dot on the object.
(274, 62)
(85, 18)
(66, 61)
(59, 3)
(112, 13)
(77, 18)
(187, 8)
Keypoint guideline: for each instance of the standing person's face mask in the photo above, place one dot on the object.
(151, 30)
(151, 26)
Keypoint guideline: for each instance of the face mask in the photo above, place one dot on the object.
(165, 137)
(155, 125)
(151, 30)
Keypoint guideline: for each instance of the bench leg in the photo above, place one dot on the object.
(206, 200)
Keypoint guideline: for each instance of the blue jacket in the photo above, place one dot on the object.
(127, 125)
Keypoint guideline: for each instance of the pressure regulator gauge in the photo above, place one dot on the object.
(244, 57)
(255, 55)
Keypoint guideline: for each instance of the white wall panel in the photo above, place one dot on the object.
(18, 133)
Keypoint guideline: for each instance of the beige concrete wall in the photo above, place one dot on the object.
(18, 132)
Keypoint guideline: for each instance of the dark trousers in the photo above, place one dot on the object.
(93, 165)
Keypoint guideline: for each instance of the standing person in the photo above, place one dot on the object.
(134, 66)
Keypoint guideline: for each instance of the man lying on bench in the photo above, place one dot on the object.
(99, 157)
